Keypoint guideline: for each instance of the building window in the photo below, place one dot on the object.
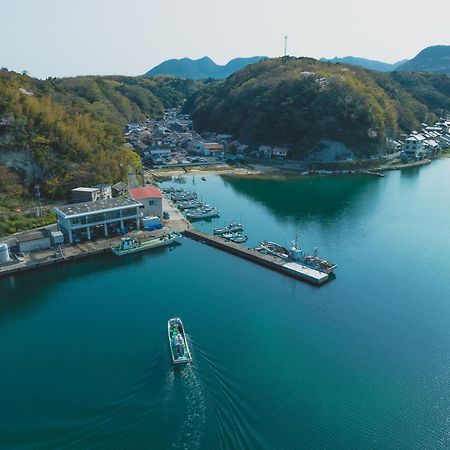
(151, 202)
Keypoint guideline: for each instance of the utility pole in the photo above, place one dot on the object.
(38, 196)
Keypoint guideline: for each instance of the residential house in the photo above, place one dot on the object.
(118, 189)
(280, 152)
(414, 146)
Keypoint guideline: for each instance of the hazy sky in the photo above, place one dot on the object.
(63, 38)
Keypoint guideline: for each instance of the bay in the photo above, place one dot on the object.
(362, 362)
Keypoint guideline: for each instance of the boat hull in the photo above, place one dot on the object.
(174, 328)
(156, 243)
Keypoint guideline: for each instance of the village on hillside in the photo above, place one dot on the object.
(173, 142)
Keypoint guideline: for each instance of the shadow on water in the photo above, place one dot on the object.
(15, 299)
(323, 197)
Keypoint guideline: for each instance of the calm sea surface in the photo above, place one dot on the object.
(362, 362)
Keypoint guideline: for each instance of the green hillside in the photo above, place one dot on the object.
(303, 102)
(431, 59)
(63, 133)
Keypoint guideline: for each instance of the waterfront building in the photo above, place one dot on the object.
(150, 199)
(414, 146)
(32, 241)
(101, 218)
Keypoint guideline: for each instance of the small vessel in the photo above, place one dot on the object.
(128, 245)
(203, 213)
(183, 196)
(298, 255)
(190, 204)
(238, 238)
(179, 347)
(203, 178)
(230, 228)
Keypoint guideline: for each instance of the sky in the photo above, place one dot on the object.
(81, 37)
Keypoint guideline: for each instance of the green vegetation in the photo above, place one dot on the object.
(303, 102)
(68, 132)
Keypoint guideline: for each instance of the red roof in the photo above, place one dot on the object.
(145, 192)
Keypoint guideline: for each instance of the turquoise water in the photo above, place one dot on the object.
(362, 362)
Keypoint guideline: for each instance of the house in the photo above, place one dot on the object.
(85, 194)
(265, 151)
(413, 147)
(33, 241)
(150, 199)
(118, 189)
(214, 149)
(105, 190)
(81, 221)
(280, 152)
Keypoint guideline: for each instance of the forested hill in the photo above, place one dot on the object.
(305, 102)
(70, 130)
(366, 63)
(431, 59)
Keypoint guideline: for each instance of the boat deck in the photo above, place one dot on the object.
(292, 269)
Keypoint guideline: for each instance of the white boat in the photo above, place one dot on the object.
(230, 228)
(203, 213)
(179, 347)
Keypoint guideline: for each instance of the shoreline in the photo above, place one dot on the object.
(262, 171)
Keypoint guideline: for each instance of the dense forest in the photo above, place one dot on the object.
(63, 133)
(71, 128)
(303, 102)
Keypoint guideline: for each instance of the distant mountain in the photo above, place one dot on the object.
(370, 64)
(198, 69)
(431, 59)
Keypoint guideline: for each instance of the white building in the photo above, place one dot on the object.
(150, 199)
(81, 221)
(32, 241)
(413, 147)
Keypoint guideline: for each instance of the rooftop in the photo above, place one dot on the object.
(213, 145)
(31, 236)
(145, 192)
(85, 189)
(80, 209)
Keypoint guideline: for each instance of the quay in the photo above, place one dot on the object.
(292, 269)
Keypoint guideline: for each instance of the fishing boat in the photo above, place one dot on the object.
(129, 245)
(183, 196)
(230, 228)
(294, 253)
(238, 238)
(179, 347)
(190, 204)
(202, 213)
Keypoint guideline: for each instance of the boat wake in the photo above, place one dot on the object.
(185, 380)
(232, 417)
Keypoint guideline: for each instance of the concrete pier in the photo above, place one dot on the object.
(292, 269)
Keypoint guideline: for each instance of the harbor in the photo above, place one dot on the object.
(177, 222)
(100, 325)
(292, 269)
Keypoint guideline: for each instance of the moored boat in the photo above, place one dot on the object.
(202, 213)
(230, 228)
(298, 255)
(179, 347)
(128, 245)
(238, 238)
(190, 204)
